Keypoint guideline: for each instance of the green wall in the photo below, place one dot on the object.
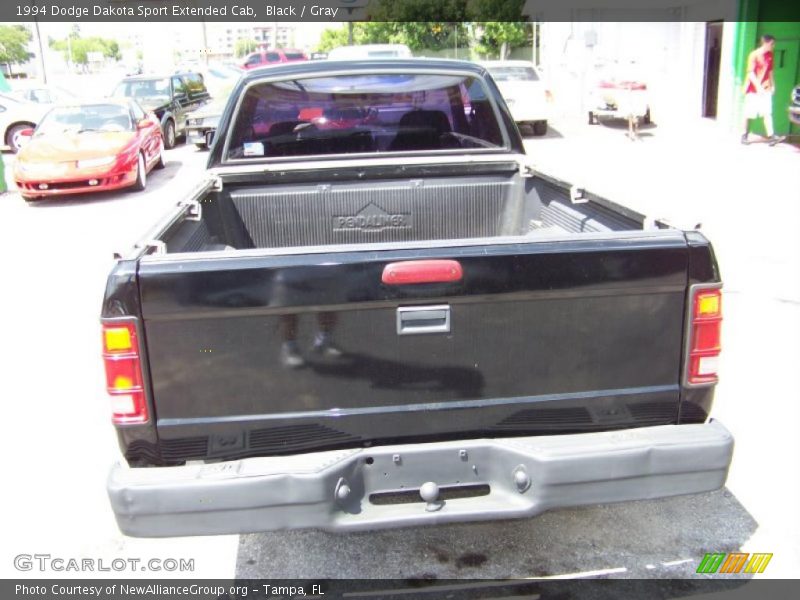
(756, 18)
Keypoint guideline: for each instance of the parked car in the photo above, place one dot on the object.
(401, 323)
(619, 90)
(42, 94)
(263, 58)
(218, 77)
(170, 97)
(16, 116)
(201, 124)
(370, 51)
(524, 91)
(89, 147)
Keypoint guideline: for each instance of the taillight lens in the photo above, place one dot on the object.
(124, 372)
(705, 329)
(422, 271)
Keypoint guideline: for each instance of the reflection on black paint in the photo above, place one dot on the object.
(463, 382)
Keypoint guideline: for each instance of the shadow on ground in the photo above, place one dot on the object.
(645, 539)
(527, 133)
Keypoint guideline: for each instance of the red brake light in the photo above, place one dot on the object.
(422, 271)
(124, 372)
(704, 331)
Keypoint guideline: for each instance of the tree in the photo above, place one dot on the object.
(244, 46)
(431, 36)
(14, 41)
(333, 38)
(508, 11)
(81, 47)
(495, 40)
(419, 24)
(435, 26)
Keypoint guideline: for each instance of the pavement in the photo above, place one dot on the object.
(56, 256)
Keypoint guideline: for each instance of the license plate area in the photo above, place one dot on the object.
(412, 496)
(403, 471)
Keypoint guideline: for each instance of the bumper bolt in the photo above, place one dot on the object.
(521, 479)
(342, 490)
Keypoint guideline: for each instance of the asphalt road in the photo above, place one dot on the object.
(54, 260)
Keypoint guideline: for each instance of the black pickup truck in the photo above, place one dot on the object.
(374, 312)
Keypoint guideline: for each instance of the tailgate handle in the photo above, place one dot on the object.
(422, 271)
(423, 319)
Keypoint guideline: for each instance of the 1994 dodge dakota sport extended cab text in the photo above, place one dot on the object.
(374, 312)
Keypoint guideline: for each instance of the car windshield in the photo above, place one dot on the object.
(224, 72)
(86, 117)
(364, 113)
(514, 74)
(215, 106)
(384, 54)
(145, 90)
(622, 71)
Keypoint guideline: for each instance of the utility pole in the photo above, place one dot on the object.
(205, 41)
(39, 43)
(69, 54)
(41, 51)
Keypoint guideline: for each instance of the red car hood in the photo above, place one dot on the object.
(69, 147)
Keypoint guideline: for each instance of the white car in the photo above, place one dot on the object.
(15, 117)
(370, 51)
(525, 93)
(41, 93)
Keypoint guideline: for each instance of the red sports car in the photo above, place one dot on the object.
(92, 147)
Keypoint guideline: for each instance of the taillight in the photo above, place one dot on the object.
(704, 332)
(422, 271)
(124, 372)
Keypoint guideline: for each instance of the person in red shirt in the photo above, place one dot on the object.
(759, 87)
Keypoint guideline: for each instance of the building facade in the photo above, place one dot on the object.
(692, 56)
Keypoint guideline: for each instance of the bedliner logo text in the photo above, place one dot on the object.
(371, 218)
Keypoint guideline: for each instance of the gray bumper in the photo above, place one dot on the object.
(333, 490)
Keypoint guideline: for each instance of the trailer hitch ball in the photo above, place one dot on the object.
(429, 492)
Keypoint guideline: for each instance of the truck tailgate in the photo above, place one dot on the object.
(258, 354)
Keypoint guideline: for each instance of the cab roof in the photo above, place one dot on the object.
(322, 67)
(149, 76)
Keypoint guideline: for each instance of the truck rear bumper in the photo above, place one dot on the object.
(372, 488)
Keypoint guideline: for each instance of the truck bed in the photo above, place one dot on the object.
(488, 206)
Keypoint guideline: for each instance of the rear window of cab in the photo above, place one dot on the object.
(363, 113)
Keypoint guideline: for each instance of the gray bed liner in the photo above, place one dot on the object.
(411, 210)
